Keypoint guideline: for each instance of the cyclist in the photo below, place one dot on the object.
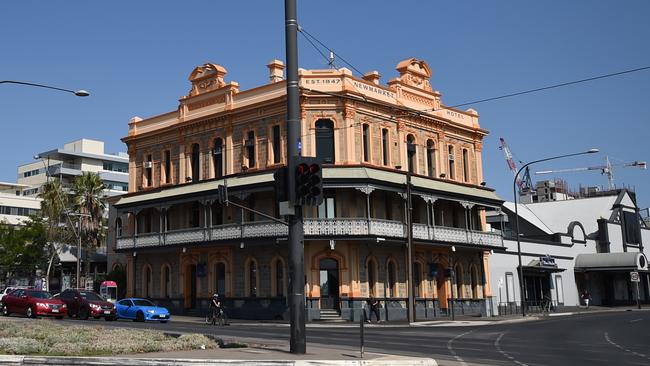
(217, 308)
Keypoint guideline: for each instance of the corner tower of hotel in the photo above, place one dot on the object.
(178, 245)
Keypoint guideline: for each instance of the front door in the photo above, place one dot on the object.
(190, 286)
(329, 284)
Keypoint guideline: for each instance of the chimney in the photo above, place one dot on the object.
(372, 76)
(276, 71)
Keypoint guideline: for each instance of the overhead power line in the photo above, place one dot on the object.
(307, 34)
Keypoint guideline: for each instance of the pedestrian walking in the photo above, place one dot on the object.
(586, 297)
(374, 306)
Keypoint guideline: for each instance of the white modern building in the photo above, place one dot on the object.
(569, 246)
(73, 160)
(15, 208)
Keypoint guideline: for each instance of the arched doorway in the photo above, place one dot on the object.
(329, 283)
(189, 287)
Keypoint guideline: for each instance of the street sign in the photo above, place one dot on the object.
(634, 277)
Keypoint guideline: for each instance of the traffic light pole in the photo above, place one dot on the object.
(298, 339)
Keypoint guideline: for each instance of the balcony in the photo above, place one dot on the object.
(340, 227)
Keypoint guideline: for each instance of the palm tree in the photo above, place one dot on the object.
(89, 200)
(53, 205)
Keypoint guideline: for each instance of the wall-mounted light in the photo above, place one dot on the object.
(241, 245)
(332, 244)
(184, 250)
(135, 254)
(453, 248)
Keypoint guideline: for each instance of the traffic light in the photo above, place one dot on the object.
(280, 178)
(222, 194)
(309, 182)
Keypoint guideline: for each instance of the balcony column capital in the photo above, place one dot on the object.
(428, 198)
(467, 205)
(365, 190)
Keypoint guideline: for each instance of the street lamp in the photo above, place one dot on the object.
(514, 191)
(79, 93)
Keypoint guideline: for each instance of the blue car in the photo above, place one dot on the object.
(140, 310)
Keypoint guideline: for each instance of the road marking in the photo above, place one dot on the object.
(623, 348)
(635, 320)
(504, 353)
(451, 349)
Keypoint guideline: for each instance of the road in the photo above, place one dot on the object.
(607, 338)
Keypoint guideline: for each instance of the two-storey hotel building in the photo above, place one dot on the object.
(178, 245)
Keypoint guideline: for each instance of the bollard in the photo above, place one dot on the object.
(361, 329)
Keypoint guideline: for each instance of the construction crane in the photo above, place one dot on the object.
(524, 183)
(607, 169)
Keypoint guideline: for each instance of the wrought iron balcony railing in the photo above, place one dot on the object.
(313, 227)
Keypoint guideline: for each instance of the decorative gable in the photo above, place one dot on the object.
(415, 73)
(207, 78)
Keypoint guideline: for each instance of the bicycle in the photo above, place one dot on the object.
(216, 317)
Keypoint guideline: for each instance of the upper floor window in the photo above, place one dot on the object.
(452, 166)
(118, 227)
(195, 162)
(365, 131)
(431, 159)
(327, 209)
(325, 140)
(276, 144)
(148, 170)
(168, 166)
(250, 148)
(465, 166)
(410, 153)
(217, 157)
(384, 146)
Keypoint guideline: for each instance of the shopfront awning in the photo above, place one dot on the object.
(542, 266)
(629, 261)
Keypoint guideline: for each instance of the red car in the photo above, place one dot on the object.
(33, 303)
(84, 304)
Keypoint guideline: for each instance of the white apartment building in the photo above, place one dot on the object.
(75, 158)
(15, 208)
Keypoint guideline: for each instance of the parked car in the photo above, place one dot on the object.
(140, 310)
(84, 304)
(33, 303)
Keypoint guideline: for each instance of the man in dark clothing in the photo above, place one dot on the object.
(373, 305)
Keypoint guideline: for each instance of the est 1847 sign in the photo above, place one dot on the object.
(634, 277)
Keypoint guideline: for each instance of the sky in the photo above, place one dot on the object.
(135, 57)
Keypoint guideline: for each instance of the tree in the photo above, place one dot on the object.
(53, 206)
(89, 199)
(22, 249)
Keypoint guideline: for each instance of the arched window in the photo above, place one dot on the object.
(410, 153)
(250, 149)
(166, 281)
(252, 280)
(147, 282)
(384, 146)
(220, 278)
(325, 140)
(365, 131)
(465, 166)
(196, 152)
(371, 275)
(431, 159)
(217, 157)
(417, 279)
(118, 227)
(458, 281)
(476, 288)
(278, 277)
(452, 166)
(392, 278)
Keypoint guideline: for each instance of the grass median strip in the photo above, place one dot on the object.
(45, 337)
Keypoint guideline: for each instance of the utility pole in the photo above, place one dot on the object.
(298, 338)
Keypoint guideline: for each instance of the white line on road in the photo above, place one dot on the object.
(635, 320)
(504, 353)
(451, 349)
(623, 348)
